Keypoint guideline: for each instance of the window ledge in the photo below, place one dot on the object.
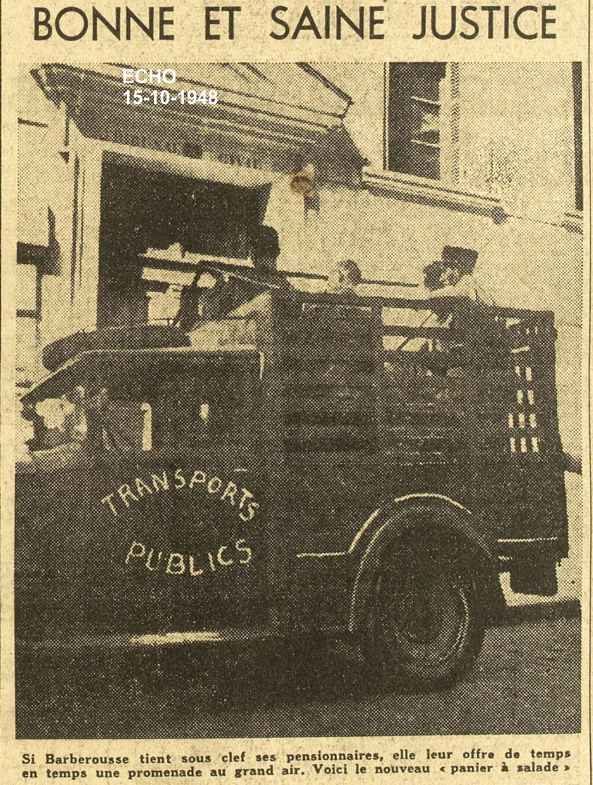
(437, 194)
(573, 221)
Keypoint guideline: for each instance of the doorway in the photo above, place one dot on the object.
(169, 215)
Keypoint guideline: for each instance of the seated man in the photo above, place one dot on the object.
(459, 306)
(200, 303)
(233, 286)
(455, 277)
(343, 278)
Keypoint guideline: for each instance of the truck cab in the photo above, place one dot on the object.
(310, 464)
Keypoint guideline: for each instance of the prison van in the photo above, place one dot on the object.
(309, 466)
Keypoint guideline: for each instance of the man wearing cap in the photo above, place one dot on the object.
(464, 306)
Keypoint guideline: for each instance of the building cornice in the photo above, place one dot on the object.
(99, 89)
(421, 190)
(271, 131)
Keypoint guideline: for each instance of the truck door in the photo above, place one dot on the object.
(181, 510)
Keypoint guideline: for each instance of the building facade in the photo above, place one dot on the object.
(408, 157)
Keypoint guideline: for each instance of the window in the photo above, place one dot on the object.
(28, 304)
(417, 110)
(212, 407)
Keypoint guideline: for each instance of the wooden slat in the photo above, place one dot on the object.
(423, 447)
(455, 433)
(327, 351)
(421, 408)
(312, 433)
(408, 452)
(412, 303)
(537, 343)
(334, 403)
(440, 361)
(418, 422)
(364, 422)
(311, 329)
(533, 356)
(413, 407)
(326, 379)
(424, 432)
(431, 360)
(403, 331)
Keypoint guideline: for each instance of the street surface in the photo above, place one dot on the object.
(526, 681)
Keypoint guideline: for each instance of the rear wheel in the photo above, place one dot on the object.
(425, 625)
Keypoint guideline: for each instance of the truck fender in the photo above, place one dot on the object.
(387, 525)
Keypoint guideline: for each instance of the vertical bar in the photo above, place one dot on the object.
(277, 550)
(454, 119)
(577, 94)
(386, 87)
(544, 385)
(378, 377)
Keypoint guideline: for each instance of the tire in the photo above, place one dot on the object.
(425, 624)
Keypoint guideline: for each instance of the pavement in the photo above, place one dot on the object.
(526, 680)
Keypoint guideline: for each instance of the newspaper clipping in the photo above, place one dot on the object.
(296, 393)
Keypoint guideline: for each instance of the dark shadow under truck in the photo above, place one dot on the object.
(309, 466)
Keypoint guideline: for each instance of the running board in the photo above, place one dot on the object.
(154, 640)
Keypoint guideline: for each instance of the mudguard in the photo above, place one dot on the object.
(430, 512)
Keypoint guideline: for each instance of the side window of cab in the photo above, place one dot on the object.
(214, 407)
(96, 418)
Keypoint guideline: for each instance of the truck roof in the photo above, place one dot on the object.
(154, 360)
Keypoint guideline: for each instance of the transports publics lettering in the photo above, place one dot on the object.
(137, 488)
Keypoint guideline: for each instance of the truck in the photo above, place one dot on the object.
(310, 466)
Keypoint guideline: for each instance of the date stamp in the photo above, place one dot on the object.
(162, 97)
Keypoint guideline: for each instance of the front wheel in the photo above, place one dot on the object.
(425, 624)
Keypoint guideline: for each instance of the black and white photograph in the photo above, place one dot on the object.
(299, 400)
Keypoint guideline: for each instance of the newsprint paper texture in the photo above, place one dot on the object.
(295, 392)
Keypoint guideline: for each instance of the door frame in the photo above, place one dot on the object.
(90, 155)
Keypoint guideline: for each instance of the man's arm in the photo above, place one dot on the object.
(464, 289)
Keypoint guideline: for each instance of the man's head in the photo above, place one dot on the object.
(455, 262)
(462, 259)
(450, 275)
(344, 276)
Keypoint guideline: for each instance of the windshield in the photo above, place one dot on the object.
(83, 418)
